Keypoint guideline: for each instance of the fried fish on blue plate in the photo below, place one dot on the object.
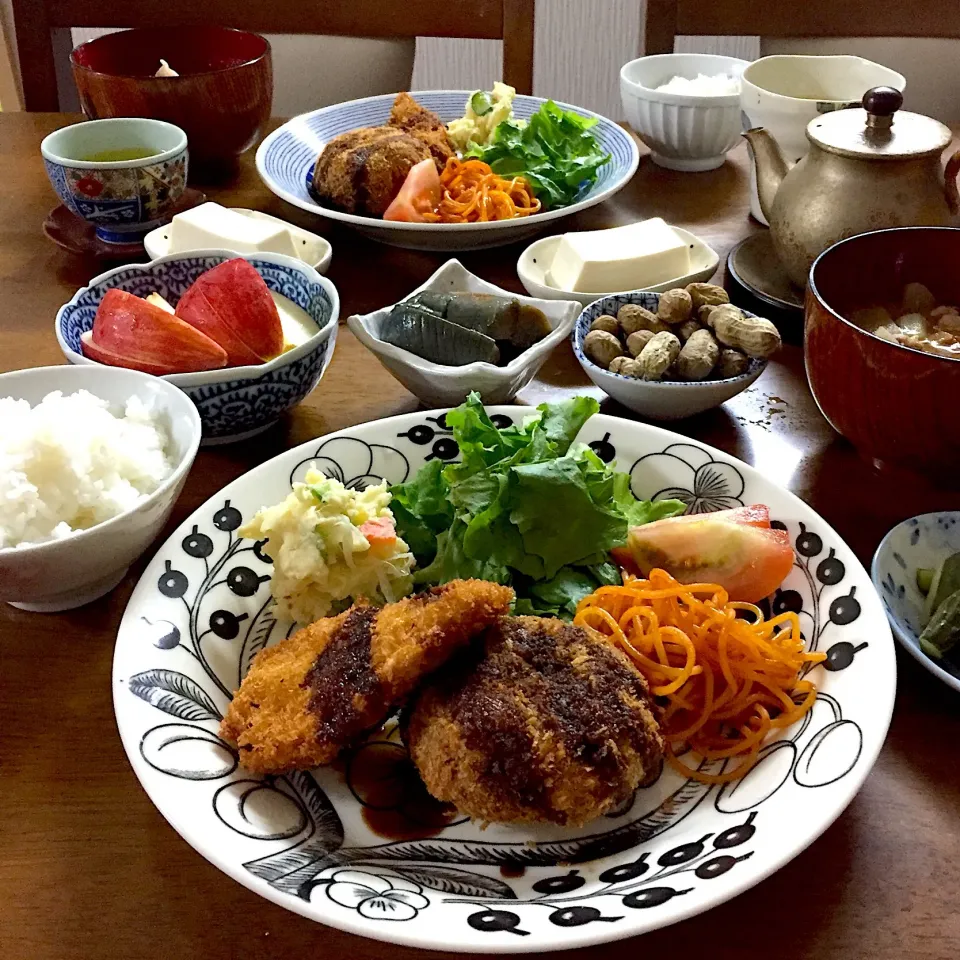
(323, 688)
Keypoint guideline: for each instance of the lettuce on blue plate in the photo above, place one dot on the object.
(554, 150)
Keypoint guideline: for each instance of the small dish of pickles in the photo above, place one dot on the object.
(916, 571)
(457, 334)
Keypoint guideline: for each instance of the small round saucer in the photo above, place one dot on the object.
(78, 236)
(753, 266)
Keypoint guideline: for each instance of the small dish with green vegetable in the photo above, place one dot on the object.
(916, 571)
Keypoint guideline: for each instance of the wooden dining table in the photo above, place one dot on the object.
(90, 869)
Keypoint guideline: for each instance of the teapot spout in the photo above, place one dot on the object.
(771, 166)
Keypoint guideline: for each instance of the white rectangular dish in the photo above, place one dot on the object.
(309, 247)
(535, 261)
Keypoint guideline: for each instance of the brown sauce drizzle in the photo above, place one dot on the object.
(396, 805)
(342, 680)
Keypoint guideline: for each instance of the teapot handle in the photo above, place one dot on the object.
(950, 177)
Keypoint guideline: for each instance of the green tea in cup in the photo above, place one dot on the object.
(125, 175)
(118, 153)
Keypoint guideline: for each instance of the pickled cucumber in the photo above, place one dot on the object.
(946, 581)
(942, 632)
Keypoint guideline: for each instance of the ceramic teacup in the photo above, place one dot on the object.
(784, 93)
(124, 175)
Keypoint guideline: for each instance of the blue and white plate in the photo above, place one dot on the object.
(918, 543)
(320, 844)
(286, 159)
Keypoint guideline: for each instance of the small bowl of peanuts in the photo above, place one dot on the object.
(671, 355)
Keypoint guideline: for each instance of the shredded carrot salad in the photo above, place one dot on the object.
(472, 193)
(727, 681)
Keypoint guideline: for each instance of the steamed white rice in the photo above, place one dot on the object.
(70, 463)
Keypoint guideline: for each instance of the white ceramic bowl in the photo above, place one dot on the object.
(67, 573)
(535, 261)
(441, 386)
(683, 131)
(235, 403)
(655, 399)
(784, 92)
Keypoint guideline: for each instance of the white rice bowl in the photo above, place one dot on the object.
(71, 462)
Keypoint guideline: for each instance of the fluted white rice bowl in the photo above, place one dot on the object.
(684, 131)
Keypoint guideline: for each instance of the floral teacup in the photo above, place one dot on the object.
(124, 175)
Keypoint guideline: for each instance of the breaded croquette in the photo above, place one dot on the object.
(542, 722)
(320, 690)
(362, 170)
(423, 124)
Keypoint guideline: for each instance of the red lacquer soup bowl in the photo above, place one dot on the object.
(893, 403)
(221, 99)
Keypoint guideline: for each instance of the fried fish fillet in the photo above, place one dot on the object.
(316, 692)
(543, 722)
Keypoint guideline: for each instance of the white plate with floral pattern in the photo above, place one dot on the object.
(325, 845)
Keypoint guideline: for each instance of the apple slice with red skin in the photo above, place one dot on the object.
(130, 332)
(109, 358)
(231, 304)
(736, 548)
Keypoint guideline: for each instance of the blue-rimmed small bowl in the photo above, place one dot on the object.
(236, 402)
(655, 399)
(918, 543)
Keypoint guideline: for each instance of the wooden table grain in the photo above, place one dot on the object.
(88, 867)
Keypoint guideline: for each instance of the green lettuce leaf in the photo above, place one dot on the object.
(427, 496)
(527, 506)
(639, 512)
(557, 516)
(554, 150)
(451, 563)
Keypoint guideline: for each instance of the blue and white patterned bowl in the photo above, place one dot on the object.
(286, 159)
(656, 399)
(236, 402)
(918, 543)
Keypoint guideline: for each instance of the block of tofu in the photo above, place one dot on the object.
(621, 258)
(211, 226)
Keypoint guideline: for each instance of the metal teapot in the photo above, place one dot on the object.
(867, 169)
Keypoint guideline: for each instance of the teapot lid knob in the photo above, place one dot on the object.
(881, 103)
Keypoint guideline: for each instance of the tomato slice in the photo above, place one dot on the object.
(419, 194)
(735, 548)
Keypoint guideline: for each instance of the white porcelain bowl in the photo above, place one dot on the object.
(536, 260)
(683, 131)
(655, 399)
(442, 386)
(67, 573)
(784, 92)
